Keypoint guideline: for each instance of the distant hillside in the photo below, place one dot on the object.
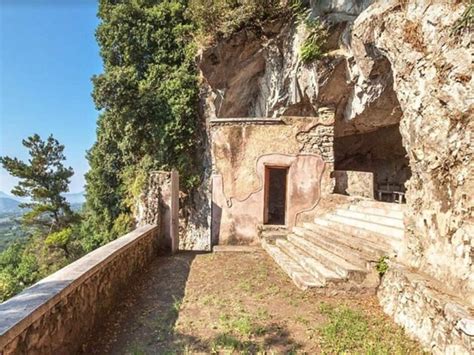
(8, 205)
(76, 198)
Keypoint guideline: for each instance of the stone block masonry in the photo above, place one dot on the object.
(55, 315)
(443, 323)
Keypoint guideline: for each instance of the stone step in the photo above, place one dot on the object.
(393, 232)
(301, 278)
(332, 261)
(371, 251)
(386, 221)
(377, 211)
(382, 205)
(353, 256)
(333, 245)
(383, 242)
(311, 265)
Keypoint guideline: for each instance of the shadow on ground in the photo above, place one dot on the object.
(239, 303)
(145, 317)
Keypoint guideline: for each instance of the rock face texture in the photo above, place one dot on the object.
(387, 64)
(432, 73)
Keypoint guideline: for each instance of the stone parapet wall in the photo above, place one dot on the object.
(55, 315)
(443, 323)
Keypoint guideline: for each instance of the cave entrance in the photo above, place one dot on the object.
(380, 152)
(275, 195)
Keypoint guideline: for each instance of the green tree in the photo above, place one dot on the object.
(49, 219)
(148, 97)
(43, 179)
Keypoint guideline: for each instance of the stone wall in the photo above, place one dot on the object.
(354, 183)
(159, 204)
(442, 322)
(55, 315)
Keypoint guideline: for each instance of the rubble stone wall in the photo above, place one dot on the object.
(442, 323)
(55, 315)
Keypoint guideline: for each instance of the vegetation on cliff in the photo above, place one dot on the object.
(148, 97)
(148, 100)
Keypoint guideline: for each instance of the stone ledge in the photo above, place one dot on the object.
(442, 322)
(245, 120)
(22, 311)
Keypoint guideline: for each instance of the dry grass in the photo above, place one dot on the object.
(240, 303)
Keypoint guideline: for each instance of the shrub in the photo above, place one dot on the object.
(213, 17)
(312, 47)
(382, 265)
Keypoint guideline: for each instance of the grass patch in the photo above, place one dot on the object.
(136, 349)
(351, 331)
(241, 324)
(245, 285)
(227, 342)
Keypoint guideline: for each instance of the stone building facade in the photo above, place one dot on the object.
(244, 151)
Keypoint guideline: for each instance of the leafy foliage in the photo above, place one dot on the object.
(312, 47)
(226, 16)
(18, 268)
(48, 220)
(148, 98)
(382, 265)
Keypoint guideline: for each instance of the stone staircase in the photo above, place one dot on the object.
(340, 249)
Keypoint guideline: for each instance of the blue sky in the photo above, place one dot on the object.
(48, 54)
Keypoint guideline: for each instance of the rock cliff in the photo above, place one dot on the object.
(386, 63)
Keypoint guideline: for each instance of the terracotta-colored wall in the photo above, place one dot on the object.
(241, 150)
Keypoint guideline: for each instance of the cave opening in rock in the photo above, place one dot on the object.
(380, 152)
(275, 195)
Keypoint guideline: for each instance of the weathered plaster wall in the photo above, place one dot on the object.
(55, 315)
(241, 150)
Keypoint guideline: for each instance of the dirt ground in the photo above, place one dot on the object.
(239, 303)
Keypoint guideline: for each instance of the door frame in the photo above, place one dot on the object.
(266, 187)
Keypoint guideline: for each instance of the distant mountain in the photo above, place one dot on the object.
(9, 202)
(4, 195)
(8, 205)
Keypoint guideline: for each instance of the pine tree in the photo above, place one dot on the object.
(43, 179)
